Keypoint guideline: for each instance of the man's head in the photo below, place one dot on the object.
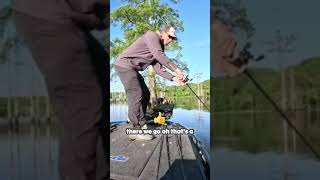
(167, 35)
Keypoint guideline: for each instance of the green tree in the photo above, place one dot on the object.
(136, 17)
(234, 14)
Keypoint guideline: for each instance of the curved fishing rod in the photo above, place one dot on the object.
(187, 79)
(277, 108)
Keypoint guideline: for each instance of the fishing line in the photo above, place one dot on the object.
(199, 98)
(277, 108)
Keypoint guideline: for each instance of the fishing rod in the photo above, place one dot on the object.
(285, 117)
(187, 79)
(277, 108)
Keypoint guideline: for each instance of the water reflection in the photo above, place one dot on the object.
(29, 151)
(262, 146)
(262, 166)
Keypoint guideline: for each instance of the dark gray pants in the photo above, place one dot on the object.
(68, 58)
(138, 95)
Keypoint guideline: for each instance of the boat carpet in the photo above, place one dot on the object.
(168, 156)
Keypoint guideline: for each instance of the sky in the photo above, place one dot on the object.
(290, 17)
(195, 40)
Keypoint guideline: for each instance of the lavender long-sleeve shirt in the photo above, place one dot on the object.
(88, 13)
(146, 50)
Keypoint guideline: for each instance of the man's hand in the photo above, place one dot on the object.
(180, 75)
(179, 82)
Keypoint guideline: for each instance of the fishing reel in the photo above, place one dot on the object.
(246, 55)
(238, 61)
(187, 79)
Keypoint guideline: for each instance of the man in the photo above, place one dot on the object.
(74, 66)
(147, 50)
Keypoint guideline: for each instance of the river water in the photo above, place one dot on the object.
(262, 146)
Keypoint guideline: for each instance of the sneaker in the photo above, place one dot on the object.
(144, 126)
(141, 137)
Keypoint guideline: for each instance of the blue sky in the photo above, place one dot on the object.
(195, 40)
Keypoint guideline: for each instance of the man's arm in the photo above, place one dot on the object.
(162, 72)
(226, 54)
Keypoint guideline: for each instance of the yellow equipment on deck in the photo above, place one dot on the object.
(159, 120)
